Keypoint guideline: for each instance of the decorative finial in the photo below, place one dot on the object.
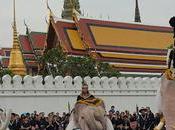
(50, 11)
(46, 20)
(27, 28)
(137, 13)
(14, 13)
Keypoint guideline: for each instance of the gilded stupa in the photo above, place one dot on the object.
(16, 63)
(68, 6)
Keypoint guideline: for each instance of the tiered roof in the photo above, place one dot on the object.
(5, 53)
(129, 47)
(32, 46)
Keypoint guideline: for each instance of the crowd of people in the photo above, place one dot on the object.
(144, 119)
(39, 121)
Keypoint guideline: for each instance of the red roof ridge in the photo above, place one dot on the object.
(56, 19)
(124, 23)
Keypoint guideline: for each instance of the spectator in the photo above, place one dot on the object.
(35, 112)
(119, 123)
(157, 119)
(150, 119)
(56, 123)
(113, 119)
(50, 125)
(112, 109)
(142, 119)
(25, 125)
(42, 121)
(133, 121)
(65, 121)
(14, 123)
(126, 123)
(120, 120)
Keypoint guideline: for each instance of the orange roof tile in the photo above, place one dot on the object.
(38, 40)
(25, 44)
(32, 45)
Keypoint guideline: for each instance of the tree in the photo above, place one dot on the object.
(104, 69)
(52, 62)
(80, 66)
(56, 62)
(4, 71)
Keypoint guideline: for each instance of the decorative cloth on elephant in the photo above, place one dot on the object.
(170, 74)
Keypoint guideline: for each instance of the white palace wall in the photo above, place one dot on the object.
(53, 94)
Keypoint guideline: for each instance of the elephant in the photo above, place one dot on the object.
(5, 119)
(89, 117)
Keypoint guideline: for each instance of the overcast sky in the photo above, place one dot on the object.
(154, 12)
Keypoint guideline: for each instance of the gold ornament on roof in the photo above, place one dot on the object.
(16, 63)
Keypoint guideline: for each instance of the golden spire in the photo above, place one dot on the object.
(15, 36)
(16, 63)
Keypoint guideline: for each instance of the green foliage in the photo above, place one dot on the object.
(53, 62)
(80, 66)
(4, 71)
(104, 69)
(56, 62)
(170, 46)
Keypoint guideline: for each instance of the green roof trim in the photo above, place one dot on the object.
(33, 32)
(141, 75)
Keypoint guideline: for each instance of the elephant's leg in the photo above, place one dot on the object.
(99, 115)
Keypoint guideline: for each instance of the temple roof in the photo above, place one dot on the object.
(129, 47)
(5, 53)
(5, 62)
(25, 44)
(69, 38)
(125, 37)
(38, 40)
(32, 46)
